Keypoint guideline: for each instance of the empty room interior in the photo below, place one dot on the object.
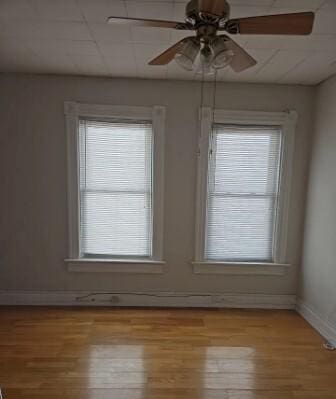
(168, 199)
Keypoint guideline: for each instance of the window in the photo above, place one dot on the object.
(115, 188)
(243, 187)
(242, 193)
(115, 183)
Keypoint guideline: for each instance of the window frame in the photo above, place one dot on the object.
(156, 116)
(287, 121)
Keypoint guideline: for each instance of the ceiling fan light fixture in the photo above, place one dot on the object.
(222, 55)
(205, 67)
(186, 56)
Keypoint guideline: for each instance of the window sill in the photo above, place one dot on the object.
(135, 266)
(240, 268)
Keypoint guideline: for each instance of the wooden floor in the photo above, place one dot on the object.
(159, 354)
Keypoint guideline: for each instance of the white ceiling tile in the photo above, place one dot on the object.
(90, 65)
(121, 52)
(248, 2)
(266, 42)
(25, 64)
(63, 30)
(310, 43)
(118, 63)
(248, 11)
(81, 47)
(117, 67)
(13, 46)
(63, 10)
(43, 28)
(100, 10)
(18, 27)
(110, 33)
(239, 39)
(59, 63)
(315, 43)
(281, 64)
(150, 35)
(16, 8)
(316, 68)
(158, 1)
(45, 47)
(298, 4)
(325, 23)
(151, 10)
(179, 12)
(329, 5)
(16, 56)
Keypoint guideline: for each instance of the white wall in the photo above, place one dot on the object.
(318, 285)
(33, 201)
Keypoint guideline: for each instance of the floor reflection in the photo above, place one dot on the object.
(235, 368)
(117, 366)
(146, 369)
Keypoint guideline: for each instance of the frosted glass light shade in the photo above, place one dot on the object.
(187, 55)
(222, 56)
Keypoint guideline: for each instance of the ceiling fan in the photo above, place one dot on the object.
(210, 17)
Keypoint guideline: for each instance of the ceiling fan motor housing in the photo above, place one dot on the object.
(197, 16)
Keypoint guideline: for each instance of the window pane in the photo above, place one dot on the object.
(116, 223)
(240, 228)
(116, 188)
(243, 193)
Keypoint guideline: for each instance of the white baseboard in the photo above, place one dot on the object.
(320, 323)
(160, 299)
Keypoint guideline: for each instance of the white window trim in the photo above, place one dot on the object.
(156, 115)
(287, 120)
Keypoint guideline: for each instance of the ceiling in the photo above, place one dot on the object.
(72, 37)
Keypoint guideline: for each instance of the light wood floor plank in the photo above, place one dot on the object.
(55, 353)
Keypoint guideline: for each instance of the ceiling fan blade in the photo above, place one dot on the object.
(213, 7)
(150, 23)
(167, 56)
(282, 24)
(241, 59)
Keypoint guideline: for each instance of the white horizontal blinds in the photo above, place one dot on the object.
(115, 188)
(243, 193)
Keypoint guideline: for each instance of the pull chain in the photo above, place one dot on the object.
(213, 113)
(200, 115)
(214, 97)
